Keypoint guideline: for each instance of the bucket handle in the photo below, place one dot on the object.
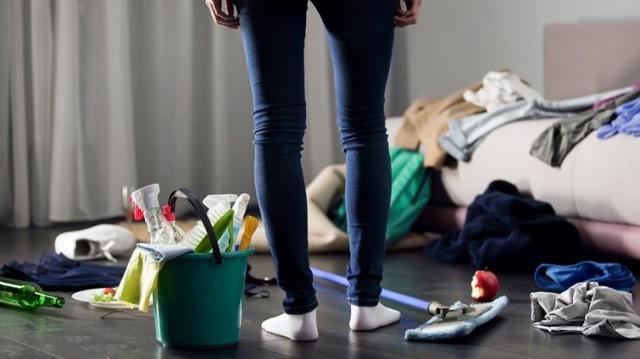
(201, 212)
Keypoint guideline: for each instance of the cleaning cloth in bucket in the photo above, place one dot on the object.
(558, 278)
(164, 252)
(437, 329)
(139, 281)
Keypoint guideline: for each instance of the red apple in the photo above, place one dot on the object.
(484, 286)
(111, 291)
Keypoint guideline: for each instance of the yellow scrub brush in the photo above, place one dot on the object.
(249, 227)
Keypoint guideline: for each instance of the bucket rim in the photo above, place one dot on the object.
(238, 254)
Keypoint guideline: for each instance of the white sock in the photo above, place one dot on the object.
(370, 318)
(299, 327)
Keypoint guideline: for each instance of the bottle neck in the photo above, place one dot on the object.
(153, 217)
(159, 228)
(50, 300)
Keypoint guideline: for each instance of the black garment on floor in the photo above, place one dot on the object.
(253, 286)
(506, 232)
(55, 272)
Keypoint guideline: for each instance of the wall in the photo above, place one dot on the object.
(457, 41)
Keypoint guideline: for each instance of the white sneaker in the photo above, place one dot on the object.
(103, 240)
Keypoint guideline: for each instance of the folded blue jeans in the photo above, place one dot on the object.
(360, 36)
(558, 278)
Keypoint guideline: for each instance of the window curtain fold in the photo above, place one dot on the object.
(97, 95)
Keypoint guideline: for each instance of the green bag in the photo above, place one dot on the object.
(410, 192)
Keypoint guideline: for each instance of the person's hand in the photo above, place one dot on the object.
(409, 16)
(222, 17)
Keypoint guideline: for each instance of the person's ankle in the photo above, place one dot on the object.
(298, 327)
(364, 318)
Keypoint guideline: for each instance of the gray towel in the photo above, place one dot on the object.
(586, 308)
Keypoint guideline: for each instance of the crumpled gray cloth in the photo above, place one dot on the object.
(586, 308)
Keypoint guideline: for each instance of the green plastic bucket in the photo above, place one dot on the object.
(197, 302)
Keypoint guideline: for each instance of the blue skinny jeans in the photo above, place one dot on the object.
(360, 35)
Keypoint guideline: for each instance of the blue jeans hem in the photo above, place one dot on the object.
(302, 309)
(363, 302)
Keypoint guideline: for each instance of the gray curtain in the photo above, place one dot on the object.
(97, 95)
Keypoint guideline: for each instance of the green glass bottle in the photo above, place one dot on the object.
(26, 295)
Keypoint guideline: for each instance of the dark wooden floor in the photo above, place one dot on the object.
(76, 331)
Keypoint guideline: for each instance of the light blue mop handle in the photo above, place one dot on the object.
(416, 303)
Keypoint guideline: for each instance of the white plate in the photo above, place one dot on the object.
(87, 295)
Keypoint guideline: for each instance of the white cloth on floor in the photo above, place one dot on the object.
(103, 240)
(500, 88)
(586, 308)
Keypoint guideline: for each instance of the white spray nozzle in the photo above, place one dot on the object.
(239, 208)
(211, 200)
(146, 197)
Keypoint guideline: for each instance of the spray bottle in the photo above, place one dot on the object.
(178, 233)
(147, 206)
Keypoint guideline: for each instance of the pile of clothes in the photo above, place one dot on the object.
(456, 124)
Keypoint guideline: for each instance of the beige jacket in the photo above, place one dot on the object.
(426, 120)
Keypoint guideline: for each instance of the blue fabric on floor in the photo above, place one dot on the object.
(507, 232)
(558, 278)
(56, 272)
(436, 330)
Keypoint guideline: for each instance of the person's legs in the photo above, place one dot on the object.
(273, 34)
(360, 36)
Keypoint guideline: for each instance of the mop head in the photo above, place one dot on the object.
(440, 329)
